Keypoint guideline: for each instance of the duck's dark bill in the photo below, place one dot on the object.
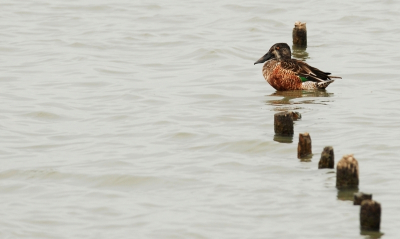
(265, 58)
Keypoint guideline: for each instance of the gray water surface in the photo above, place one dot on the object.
(148, 119)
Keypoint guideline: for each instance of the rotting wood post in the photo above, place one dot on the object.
(296, 115)
(299, 34)
(347, 172)
(283, 123)
(304, 146)
(370, 215)
(359, 197)
(327, 158)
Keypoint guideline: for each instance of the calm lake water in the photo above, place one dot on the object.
(148, 119)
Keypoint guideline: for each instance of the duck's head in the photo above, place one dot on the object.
(279, 51)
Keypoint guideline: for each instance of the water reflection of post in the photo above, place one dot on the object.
(286, 100)
(300, 52)
(371, 234)
(294, 94)
(283, 139)
(346, 194)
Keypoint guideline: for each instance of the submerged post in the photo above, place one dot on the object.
(296, 115)
(347, 172)
(283, 123)
(304, 146)
(370, 215)
(299, 34)
(360, 197)
(327, 158)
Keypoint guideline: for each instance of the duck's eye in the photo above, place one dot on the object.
(277, 47)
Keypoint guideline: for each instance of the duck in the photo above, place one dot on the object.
(284, 73)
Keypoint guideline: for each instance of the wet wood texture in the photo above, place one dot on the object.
(300, 34)
(327, 158)
(370, 215)
(304, 146)
(347, 172)
(283, 123)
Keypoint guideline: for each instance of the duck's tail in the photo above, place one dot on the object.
(324, 84)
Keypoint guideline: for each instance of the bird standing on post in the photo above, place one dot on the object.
(284, 73)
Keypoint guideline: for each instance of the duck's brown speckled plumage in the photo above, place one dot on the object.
(280, 78)
(283, 73)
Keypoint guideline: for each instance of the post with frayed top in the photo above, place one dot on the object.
(327, 158)
(300, 34)
(370, 215)
(283, 123)
(304, 146)
(347, 172)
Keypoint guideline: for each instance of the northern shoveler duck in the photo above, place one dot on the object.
(284, 73)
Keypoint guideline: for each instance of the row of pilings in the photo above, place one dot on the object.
(347, 169)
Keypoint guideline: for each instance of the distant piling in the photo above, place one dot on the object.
(300, 34)
(304, 146)
(347, 172)
(359, 197)
(370, 215)
(327, 158)
(283, 123)
(296, 115)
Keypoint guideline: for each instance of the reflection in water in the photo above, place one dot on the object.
(288, 96)
(300, 52)
(371, 234)
(307, 158)
(347, 194)
(283, 139)
(303, 93)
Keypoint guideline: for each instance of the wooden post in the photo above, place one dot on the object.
(347, 172)
(300, 34)
(370, 215)
(327, 158)
(283, 123)
(304, 146)
(359, 197)
(296, 115)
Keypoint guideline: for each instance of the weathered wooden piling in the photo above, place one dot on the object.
(359, 197)
(370, 215)
(300, 34)
(327, 158)
(304, 146)
(347, 172)
(283, 123)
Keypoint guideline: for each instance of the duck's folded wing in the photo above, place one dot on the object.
(304, 70)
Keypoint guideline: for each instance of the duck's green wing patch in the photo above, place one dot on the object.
(303, 79)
